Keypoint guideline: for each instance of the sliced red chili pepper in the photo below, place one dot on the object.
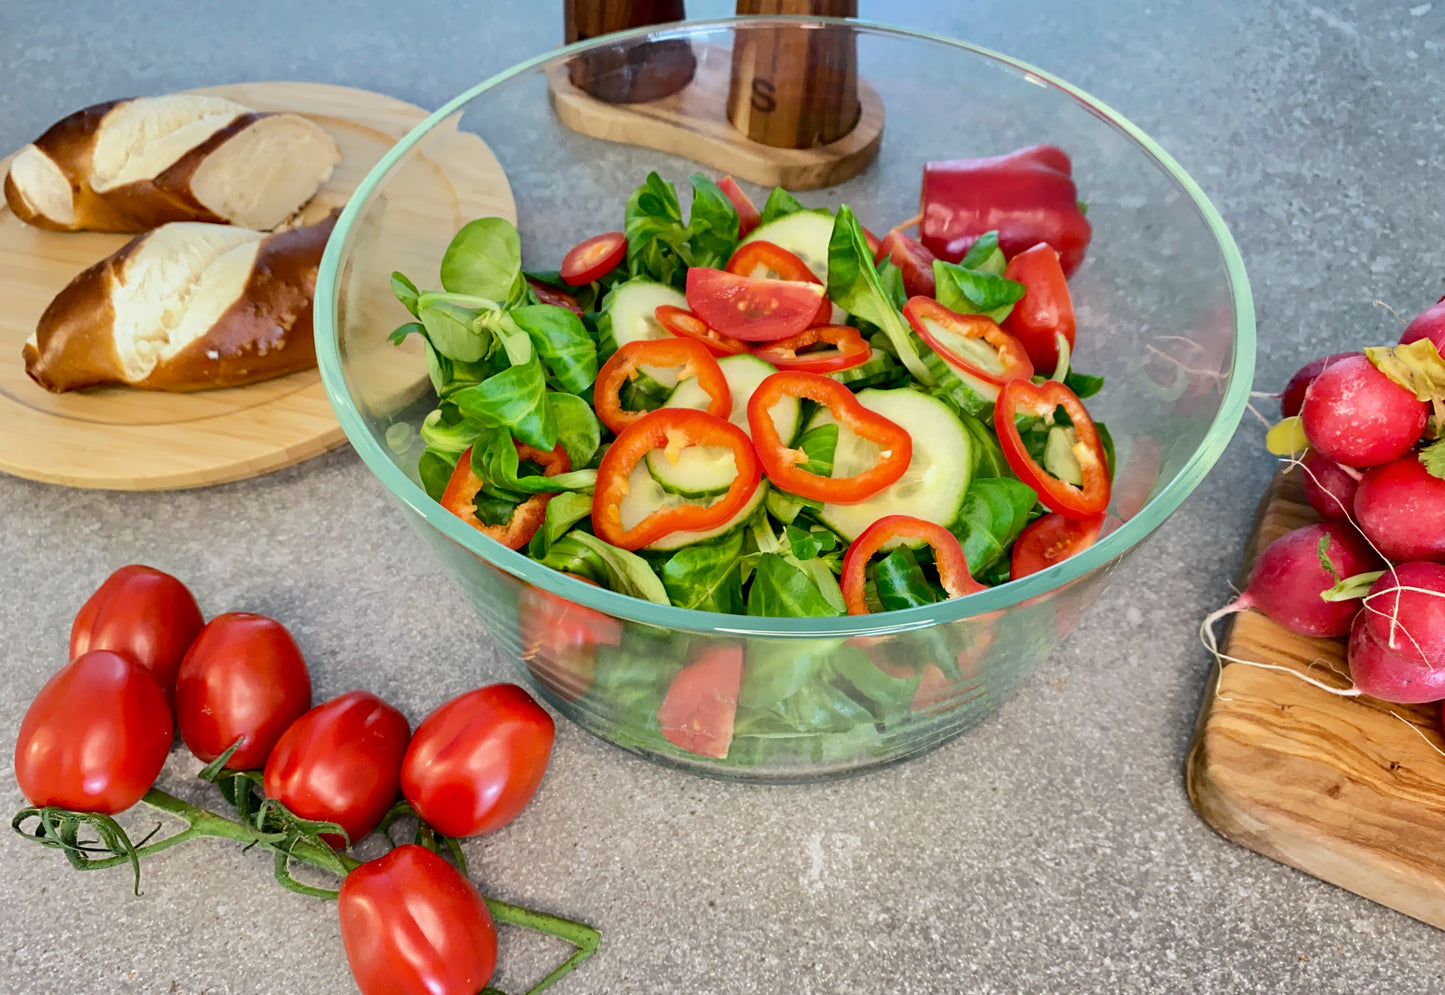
(983, 354)
(849, 350)
(1046, 310)
(912, 259)
(748, 216)
(548, 294)
(593, 257)
(753, 310)
(760, 260)
(675, 429)
(622, 366)
(948, 556)
(782, 464)
(1024, 397)
(684, 324)
(460, 496)
(1052, 539)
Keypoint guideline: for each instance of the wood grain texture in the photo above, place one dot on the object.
(693, 123)
(1340, 788)
(124, 439)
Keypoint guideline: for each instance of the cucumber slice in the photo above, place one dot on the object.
(936, 481)
(803, 233)
(701, 471)
(628, 315)
(645, 495)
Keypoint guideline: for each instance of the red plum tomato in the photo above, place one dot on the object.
(341, 763)
(143, 613)
(244, 676)
(412, 924)
(95, 737)
(476, 761)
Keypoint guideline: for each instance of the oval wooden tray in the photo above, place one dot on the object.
(125, 439)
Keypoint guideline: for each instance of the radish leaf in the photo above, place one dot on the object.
(1433, 456)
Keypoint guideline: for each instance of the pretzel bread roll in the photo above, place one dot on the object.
(185, 307)
(133, 165)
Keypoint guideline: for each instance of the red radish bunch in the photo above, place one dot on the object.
(1374, 571)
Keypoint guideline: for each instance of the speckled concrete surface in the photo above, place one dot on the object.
(1051, 850)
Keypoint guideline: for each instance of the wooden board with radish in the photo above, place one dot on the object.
(1320, 744)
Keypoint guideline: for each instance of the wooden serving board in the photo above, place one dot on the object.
(1340, 788)
(693, 123)
(126, 439)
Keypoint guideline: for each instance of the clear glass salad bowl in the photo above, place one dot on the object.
(1164, 315)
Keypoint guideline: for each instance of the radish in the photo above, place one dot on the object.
(1355, 415)
(1400, 507)
(1288, 579)
(1397, 644)
(1428, 324)
(1294, 392)
(1328, 487)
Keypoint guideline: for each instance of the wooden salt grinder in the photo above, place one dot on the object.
(795, 88)
(635, 72)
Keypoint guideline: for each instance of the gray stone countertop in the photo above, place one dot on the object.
(1052, 849)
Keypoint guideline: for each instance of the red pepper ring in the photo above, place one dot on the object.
(948, 557)
(686, 325)
(460, 496)
(849, 350)
(670, 428)
(1024, 397)
(689, 354)
(781, 463)
(935, 323)
(762, 260)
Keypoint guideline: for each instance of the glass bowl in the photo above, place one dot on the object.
(1164, 314)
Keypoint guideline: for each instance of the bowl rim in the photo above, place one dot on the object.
(1007, 595)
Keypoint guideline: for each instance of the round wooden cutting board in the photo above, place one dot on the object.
(126, 439)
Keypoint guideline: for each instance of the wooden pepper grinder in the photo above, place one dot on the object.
(633, 72)
(795, 88)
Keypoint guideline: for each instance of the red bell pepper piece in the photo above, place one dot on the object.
(782, 464)
(622, 366)
(982, 354)
(670, 428)
(460, 496)
(762, 260)
(948, 557)
(1046, 310)
(1028, 196)
(684, 324)
(913, 260)
(748, 216)
(1024, 397)
(849, 350)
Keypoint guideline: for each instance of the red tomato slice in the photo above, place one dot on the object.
(701, 703)
(910, 256)
(766, 261)
(685, 324)
(551, 295)
(1053, 539)
(752, 310)
(748, 216)
(593, 257)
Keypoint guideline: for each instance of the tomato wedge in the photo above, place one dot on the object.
(548, 294)
(1053, 539)
(1046, 310)
(674, 429)
(1024, 397)
(701, 703)
(782, 464)
(685, 324)
(752, 310)
(748, 216)
(982, 354)
(560, 639)
(948, 556)
(761, 260)
(461, 495)
(849, 350)
(910, 256)
(593, 257)
(692, 356)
